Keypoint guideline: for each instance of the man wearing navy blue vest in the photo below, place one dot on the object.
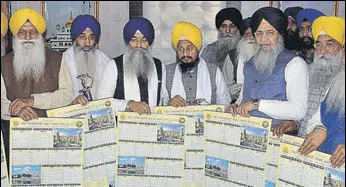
(135, 79)
(275, 80)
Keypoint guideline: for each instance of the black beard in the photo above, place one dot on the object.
(292, 40)
(306, 42)
(187, 66)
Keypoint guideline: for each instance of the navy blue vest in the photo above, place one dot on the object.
(266, 87)
(335, 125)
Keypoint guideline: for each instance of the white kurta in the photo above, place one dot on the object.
(108, 84)
(203, 85)
(102, 60)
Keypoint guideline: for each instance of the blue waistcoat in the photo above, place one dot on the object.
(266, 87)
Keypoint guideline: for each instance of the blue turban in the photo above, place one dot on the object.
(308, 14)
(141, 24)
(81, 22)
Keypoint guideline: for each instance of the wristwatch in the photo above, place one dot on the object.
(255, 102)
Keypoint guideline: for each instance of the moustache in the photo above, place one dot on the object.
(185, 57)
(226, 34)
(307, 42)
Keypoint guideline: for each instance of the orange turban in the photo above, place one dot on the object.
(4, 24)
(22, 15)
(331, 25)
(189, 31)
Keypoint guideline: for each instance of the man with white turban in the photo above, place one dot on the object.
(86, 62)
(275, 80)
(136, 79)
(191, 80)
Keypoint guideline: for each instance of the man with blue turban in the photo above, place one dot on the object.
(86, 63)
(136, 79)
(305, 18)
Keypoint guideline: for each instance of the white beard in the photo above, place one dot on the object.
(3, 49)
(336, 96)
(265, 61)
(225, 44)
(85, 61)
(139, 62)
(29, 58)
(327, 63)
(247, 49)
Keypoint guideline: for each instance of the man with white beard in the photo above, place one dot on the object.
(85, 61)
(136, 79)
(223, 51)
(328, 32)
(4, 27)
(33, 78)
(275, 80)
(326, 129)
(246, 48)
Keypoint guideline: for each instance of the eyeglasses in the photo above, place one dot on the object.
(198, 101)
(230, 26)
(328, 46)
(188, 49)
(134, 39)
(23, 33)
(269, 33)
(83, 37)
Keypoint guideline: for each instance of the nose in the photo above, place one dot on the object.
(306, 32)
(87, 41)
(27, 36)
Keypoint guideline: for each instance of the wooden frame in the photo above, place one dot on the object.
(279, 4)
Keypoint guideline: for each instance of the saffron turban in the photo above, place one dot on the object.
(232, 14)
(292, 11)
(331, 25)
(244, 25)
(22, 15)
(4, 24)
(82, 22)
(308, 14)
(274, 16)
(188, 31)
(141, 24)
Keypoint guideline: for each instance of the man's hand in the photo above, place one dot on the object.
(17, 105)
(27, 113)
(81, 99)
(284, 127)
(139, 107)
(232, 109)
(244, 108)
(313, 141)
(177, 101)
(338, 157)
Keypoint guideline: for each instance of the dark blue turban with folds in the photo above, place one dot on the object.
(273, 16)
(244, 25)
(81, 22)
(141, 24)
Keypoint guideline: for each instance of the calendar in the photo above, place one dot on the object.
(4, 173)
(236, 149)
(151, 150)
(100, 139)
(194, 155)
(46, 152)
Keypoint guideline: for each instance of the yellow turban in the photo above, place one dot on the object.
(188, 31)
(21, 16)
(331, 25)
(4, 24)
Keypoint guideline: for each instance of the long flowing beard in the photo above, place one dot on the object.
(226, 43)
(85, 61)
(265, 61)
(29, 58)
(3, 49)
(336, 96)
(139, 62)
(247, 49)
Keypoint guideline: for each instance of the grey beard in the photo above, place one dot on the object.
(225, 45)
(265, 61)
(85, 61)
(246, 50)
(336, 96)
(139, 62)
(3, 49)
(329, 64)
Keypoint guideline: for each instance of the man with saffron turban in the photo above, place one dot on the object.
(86, 62)
(192, 81)
(275, 80)
(33, 78)
(136, 79)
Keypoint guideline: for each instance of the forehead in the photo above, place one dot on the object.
(88, 31)
(306, 24)
(264, 26)
(325, 38)
(138, 34)
(185, 43)
(227, 22)
(28, 25)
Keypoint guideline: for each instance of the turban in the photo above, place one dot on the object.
(292, 11)
(4, 24)
(308, 14)
(82, 22)
(22, 15)
(188, 31)
(273, 16)
(232, 14)
(141, 24)
(244, 25)
(331, 25)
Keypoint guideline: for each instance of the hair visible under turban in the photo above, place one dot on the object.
(292, 11)
(143, 25)
(4, 24)
(244, 25)
(308, 14)
(331, 25)
(188, 31)
(22, 15)
(82, 22)
(273, 16)
(232, 14)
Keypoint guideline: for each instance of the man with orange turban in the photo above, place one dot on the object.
(4, 26)
(33, 78)
(192, 81)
